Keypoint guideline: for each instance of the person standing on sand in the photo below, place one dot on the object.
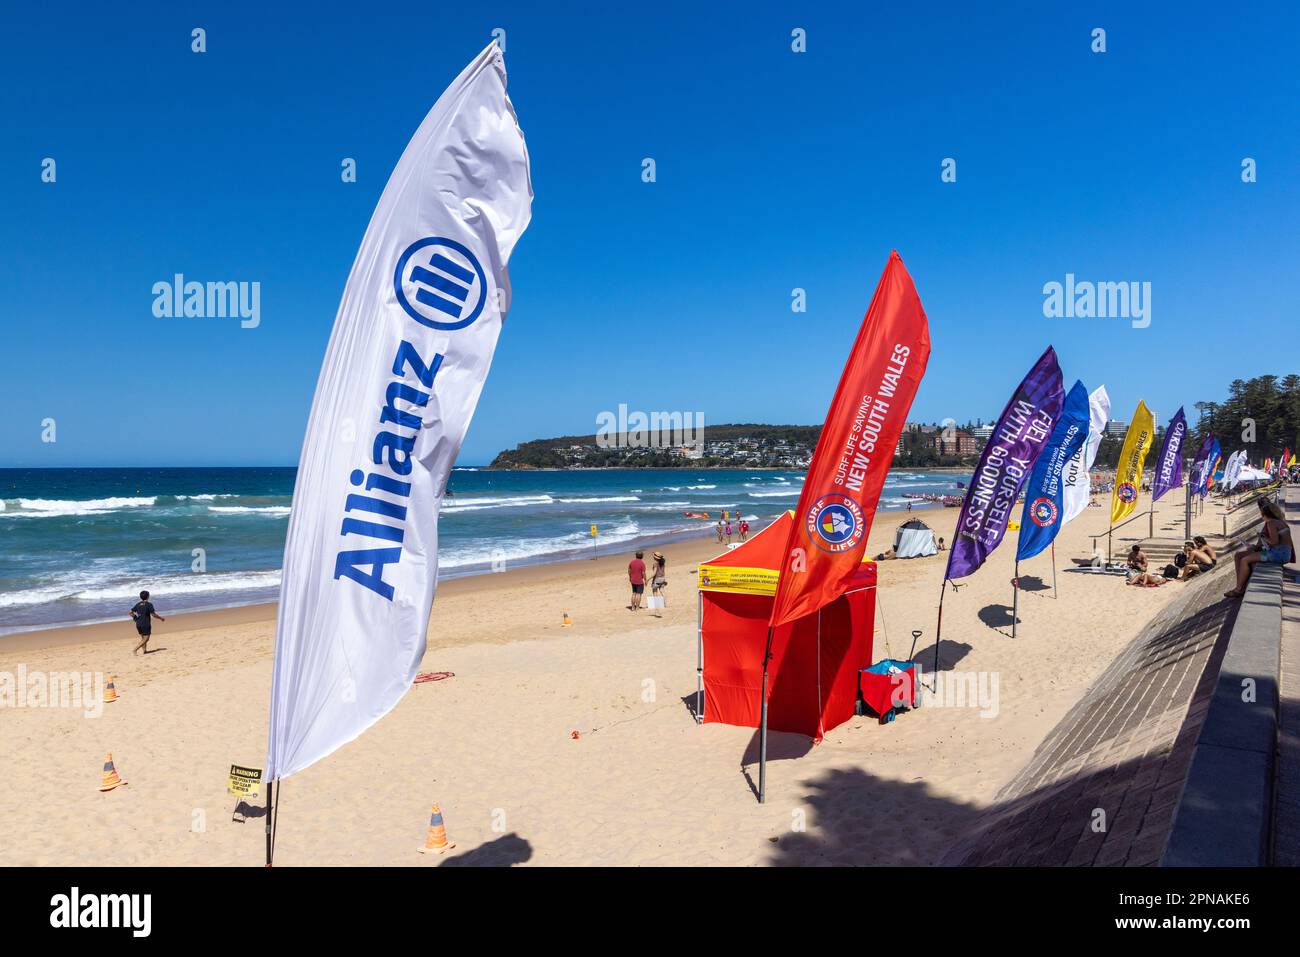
(143, 614)
(744, 529)
(718, 529)
(658, 580)
(636, 576)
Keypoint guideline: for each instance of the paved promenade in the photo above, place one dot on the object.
(1286, 810)
(1103, 788)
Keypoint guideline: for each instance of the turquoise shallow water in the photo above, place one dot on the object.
(78, 544)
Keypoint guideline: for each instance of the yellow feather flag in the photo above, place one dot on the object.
(1128, 474)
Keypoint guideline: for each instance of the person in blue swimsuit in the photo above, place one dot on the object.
(1274, 547)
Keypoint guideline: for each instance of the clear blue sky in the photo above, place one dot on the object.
(775, 170)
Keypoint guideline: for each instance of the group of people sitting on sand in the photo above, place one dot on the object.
(1198, 556)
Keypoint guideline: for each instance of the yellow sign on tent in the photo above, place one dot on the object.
(738, 581)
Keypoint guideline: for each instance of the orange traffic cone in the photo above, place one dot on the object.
(436, 840)
(567, 621)
(111, 779)
(110, 692)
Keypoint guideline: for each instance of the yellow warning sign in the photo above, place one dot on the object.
(244, 781)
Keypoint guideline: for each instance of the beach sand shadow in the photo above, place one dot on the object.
(1032, 583)
(849, 835)
(243, 810)
(781, 746)
(996, 617)
(690, 702)
(950, 653)
(506, 851)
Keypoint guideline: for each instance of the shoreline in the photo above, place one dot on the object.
(699, 547)
(551, 559)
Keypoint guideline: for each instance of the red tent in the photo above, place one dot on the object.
(815, 659)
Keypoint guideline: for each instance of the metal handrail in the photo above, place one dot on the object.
(1255, 495)
(1149, 515)
(1266, 491)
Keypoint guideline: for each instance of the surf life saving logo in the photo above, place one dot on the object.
(835, 523)
(440, 283)
(1127, 492)
(1043, 512)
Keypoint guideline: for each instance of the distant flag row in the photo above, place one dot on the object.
(1044, 445)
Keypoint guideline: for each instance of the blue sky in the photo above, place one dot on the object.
(775, 170)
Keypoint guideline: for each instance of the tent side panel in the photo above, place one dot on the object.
(847, 625)
(735, 631)
(735, 634)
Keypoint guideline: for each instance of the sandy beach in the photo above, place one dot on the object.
(640, 784)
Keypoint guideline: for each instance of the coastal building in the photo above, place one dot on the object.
(955, 442)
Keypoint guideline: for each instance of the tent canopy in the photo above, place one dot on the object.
(815, 659)
(914, 539)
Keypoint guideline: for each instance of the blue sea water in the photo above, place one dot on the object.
(77, 545)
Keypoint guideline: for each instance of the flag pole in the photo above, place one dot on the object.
(699, 656)
(1054, 594)
(762, 727)
(938, 628)
(270, 849)
(1015, 598)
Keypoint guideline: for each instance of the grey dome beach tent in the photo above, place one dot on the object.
(914, 539)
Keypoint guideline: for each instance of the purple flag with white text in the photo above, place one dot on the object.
(1169, 467)
(1018, 439)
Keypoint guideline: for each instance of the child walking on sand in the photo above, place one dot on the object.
(143, 613)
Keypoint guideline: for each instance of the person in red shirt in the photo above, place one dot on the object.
(636, 575)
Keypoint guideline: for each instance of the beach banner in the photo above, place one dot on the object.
(856, 448)
(1017, 440)
(1041, 519)
(1232, 474)
(1078, 472)
(1128, 473)
(1211, 463)
(1216, 475)
(1169, 467)
(410, 349)
(1200, 463)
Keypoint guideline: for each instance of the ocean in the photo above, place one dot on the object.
(77, 545)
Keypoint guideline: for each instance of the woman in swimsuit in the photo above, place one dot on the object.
(1275, 547)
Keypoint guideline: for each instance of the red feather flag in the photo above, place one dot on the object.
(855, 450)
